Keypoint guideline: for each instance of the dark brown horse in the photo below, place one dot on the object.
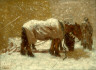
(75, 31)
(83, 32)
(69, 39)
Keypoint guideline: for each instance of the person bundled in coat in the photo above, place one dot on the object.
(87, 32)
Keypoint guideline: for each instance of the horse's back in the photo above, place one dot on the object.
(48, 22)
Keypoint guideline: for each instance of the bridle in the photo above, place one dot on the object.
(62, 28)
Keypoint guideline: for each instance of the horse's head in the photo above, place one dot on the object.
(77, 31)
(69, 41)
(74, 29)
(68, 27)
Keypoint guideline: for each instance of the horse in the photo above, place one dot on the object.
(83, 32)
(41, 30)
(56, 44)
(71, 31)
(75, 31)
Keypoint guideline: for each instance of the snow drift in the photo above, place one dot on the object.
(79, 59)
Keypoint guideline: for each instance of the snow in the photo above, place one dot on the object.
(44, 61)
(33, 23)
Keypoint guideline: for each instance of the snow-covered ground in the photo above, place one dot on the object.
(80, 59)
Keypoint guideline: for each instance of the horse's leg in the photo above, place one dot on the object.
(84, 45)
(89, 47)
(72, 42)
(29, 50)
(51, 50)
(33, 46)
(57, 47)
(23, 43)
(23, 51)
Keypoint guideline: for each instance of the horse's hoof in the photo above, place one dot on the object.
(34, 49)
(71, 49)
(84, 47)
(30, 54)
(61, 49)
(90, 48)
(23, 52)
(57, 55)
(52, 53)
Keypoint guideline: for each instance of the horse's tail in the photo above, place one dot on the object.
(24, 41)
(24, 36)
(25, 44)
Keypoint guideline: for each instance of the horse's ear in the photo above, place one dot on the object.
(86, 19)
(76, 23)
(64, 22)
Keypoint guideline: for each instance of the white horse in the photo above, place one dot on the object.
(41, 30)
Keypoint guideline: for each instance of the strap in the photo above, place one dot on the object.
(62, 28)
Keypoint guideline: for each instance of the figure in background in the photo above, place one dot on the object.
(87, 32)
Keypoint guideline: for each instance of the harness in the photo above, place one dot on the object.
(62, 28)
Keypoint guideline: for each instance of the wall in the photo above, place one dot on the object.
(14, 13)
(75, 10)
